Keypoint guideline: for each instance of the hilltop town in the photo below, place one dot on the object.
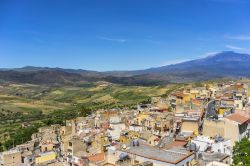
(124, 83)
(191, 126)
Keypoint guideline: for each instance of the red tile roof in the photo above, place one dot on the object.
(176, 144)
(97, 158)
(240, 118)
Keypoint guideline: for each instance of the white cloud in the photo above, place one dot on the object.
(238, 37)
(173, 62)
(235, 47)
(119, 40)
(207, 54)
(240, 49)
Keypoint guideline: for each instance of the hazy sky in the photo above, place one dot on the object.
(119, 34)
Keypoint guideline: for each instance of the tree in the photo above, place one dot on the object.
(170, 109)
(241, 152)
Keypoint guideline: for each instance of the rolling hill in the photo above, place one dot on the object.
(221, 65)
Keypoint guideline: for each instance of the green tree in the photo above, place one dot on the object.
(170, 109)
(241, 152)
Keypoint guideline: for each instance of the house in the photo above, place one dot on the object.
(141, 118)
(190, 125)
(233, 127)
(214, 128)
(179, 98)
(237, 126)
(208, 157)
(26, 150)
(49, 133)
(46, 146)
(10, 158)
(216, 144)
(28, 160)
(153, 140)
(100, 142)
(78, 159)
(139, 153)
(26, 147)
(216, 163)
(75, 145)
(222, 145)
(238, 102)
(163, 123)
(115, 128)
(66, 134)
(135, 127)
(96, 159)
(45, 158)
(202, 143)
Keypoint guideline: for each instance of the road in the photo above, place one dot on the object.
(211, 111)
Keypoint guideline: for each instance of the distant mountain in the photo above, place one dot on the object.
(221, 65)
(51, 77)
(226, 63)
(33, 69)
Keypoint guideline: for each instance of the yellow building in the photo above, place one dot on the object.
(181, 98)
(141, 117)
(222, 110)
(190, 125)
(101, 142)
(46, 146)
(124, 139)
(130, 136)
(133, 134)
(45, 157)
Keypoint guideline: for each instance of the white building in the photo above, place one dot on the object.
(159, 157)
(217, 145)
(202, 143)
(216, 163)
(135, 127)
(115, 127)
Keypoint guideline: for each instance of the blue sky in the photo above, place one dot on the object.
(119, 34)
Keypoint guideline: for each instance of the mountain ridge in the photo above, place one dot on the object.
(224, 64)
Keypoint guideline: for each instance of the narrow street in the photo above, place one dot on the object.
(211, 111)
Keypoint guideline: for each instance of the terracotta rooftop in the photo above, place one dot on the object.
(237, 117)
(176, 144)
(97, 158)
